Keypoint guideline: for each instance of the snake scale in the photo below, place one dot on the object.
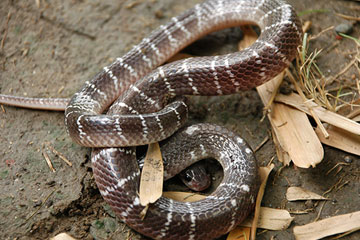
(144, 104)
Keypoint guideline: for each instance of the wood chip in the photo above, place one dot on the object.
(298, 193)
(152, 176)
(292, 129)
(184, 196)
(332, 118)
(328, 227)
(264, 175)
(62, 236)
(239, 233)
(271, 219)
(341, 139)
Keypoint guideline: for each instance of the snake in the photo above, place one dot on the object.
(137, 100)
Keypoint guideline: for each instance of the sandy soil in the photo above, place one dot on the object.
(50, 50)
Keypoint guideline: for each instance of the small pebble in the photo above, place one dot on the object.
(159, 14)
(344, 28)
(37, 203)
(348, 159)
(51, 183)
(49, 203)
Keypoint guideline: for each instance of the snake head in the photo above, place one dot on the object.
(196, 177)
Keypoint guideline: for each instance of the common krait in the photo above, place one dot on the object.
(140, 92)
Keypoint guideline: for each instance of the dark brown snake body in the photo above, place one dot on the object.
(148, 109)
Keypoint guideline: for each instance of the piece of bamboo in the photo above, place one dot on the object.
(328, 227)
(292, 128)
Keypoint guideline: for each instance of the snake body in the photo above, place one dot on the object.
(144, 105)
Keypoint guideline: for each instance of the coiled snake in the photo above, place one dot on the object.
(147, 107)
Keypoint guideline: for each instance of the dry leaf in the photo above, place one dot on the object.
(328, 227)
(298, 193)
(152, 176)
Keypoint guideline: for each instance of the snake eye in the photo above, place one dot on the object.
(187, 177)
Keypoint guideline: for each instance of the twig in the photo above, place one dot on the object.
(45, 18)
(333, 187)
(61, 156)
(347, 17)
(115, 232)
(48, 161)
(272, 98)
(339, 187)
(353, 114)
(271, 160)
(346, 233)
(321, 208)
(37, 210)
(336, 165)
(320, 33)
(261, 144)
(6, 31)
(350, 64)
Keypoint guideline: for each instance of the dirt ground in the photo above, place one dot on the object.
(49, 50)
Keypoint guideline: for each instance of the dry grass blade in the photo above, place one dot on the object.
(347, 17)
(48, 161)
(311, 79)
(313, 114)
(314, 83)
